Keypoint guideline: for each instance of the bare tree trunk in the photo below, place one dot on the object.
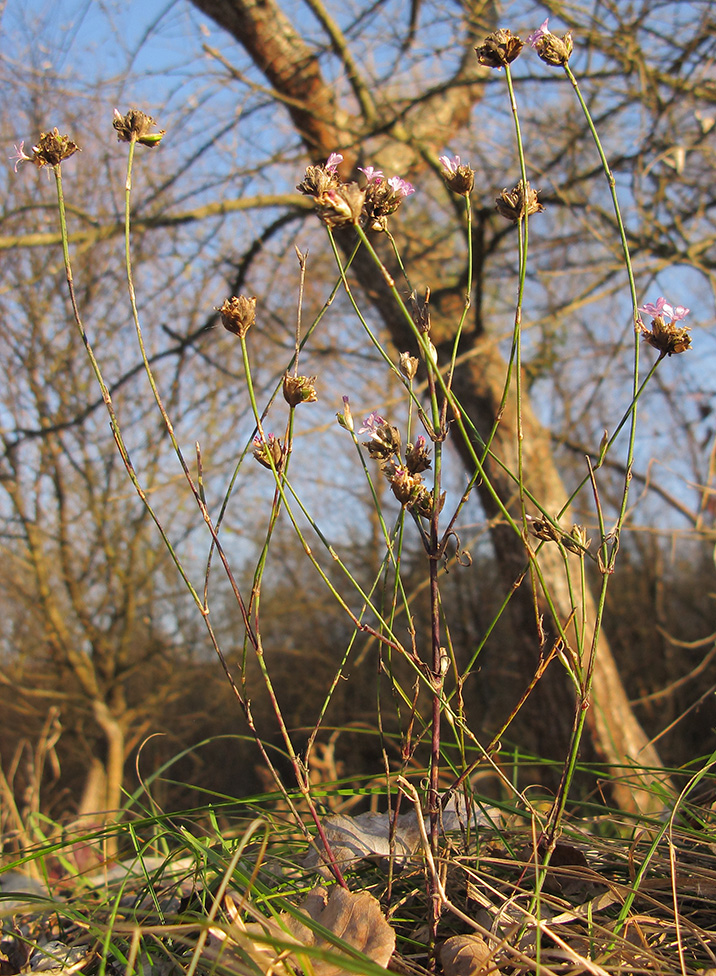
(424, 128)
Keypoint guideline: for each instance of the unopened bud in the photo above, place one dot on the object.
(408, 365)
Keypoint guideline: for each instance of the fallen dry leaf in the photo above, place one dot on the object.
(465, 955)
(354, 917)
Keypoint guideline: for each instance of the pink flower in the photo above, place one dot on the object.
(449, 164)
(371, 423)
(537, 35)
(661, 307)
(333, 162)
(371, 173)
(401, 186)
(20, 155)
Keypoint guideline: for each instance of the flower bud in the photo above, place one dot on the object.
(408, 365)
(299, 389)
(238, 314)
(345, 419)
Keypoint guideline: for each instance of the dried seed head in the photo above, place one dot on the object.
(136, 126)
(499, 48)
(408, 365)
(340, 206)
(382, 198)
(577, 540)
(52, 148)
(238, 314)
(517, 203)
(384, 438)
(543, 529)
(299, 389)
(406, 486)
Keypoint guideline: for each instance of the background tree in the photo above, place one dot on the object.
(396, 94)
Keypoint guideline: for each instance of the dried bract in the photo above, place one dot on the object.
(238, 314)
(341, 206)
(136, 126)
(543, 529)
(299, 389)
(517, 203)
(499, 48)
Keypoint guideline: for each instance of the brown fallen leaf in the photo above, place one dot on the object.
(353, 916)
(465, 955)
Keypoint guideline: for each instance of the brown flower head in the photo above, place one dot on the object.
(499, 48)
(50, 150)
(552, 49)
(135, 126)
(268, 450)
(382, 198)
(320, 178)
(340, 206)
(299, 389)
(417, 458)
(519, 202)
(543, 529)
(384, 438)
(406, 486)
(238, 314)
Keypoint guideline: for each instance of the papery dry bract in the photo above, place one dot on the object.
(136, 126)
(499, 48)
(519, 202)
(238, 314)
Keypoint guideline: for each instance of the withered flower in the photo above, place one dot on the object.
(499, 48)
(577, 540)
(238, 314)
(299, 389)
(266, 449)
(543, 529)
(50, 150)
(424, 504)
(459, 177)
(550, 48)
(668, 337)
(408, 365)
(384, 438)
(135, 126)
(417, 458)
(406, 486)
(517, 203)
